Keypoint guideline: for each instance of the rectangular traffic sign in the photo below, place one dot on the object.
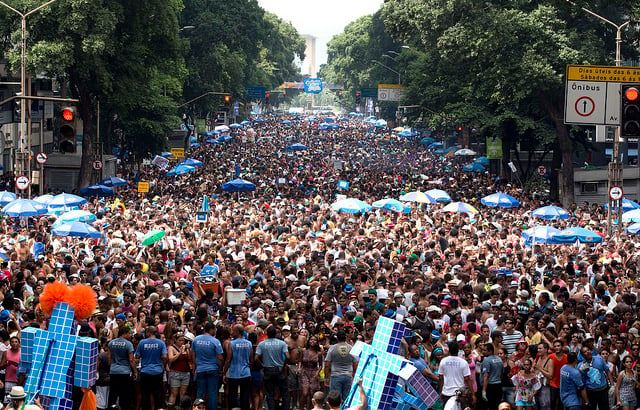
(143, 186)
(612, 113)
(369, 92)
(585, 102)
(603, 73)
(177, 152)
(256, 92)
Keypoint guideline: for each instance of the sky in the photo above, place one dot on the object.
(322, 19)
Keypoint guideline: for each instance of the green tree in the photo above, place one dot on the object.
(503, 62)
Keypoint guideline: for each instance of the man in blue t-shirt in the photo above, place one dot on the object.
(152, 354)
(237, 368)
(596, 376)
(272, 354)
(123, 366)
(571, 385)
(206, 354)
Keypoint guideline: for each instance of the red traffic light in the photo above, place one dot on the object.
(459, 128)
(67, 114)
(227, 98)
(267, 96)
(358, 95)
(631, 94)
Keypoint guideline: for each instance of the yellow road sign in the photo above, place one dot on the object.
(177, 152)
(390, 86)
(603, 73)
(143, 187)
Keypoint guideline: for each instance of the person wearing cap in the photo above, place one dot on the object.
(122, 371)
(199, 404)
(273, 353)
(339, 366)
(207, 358)
(237, 367)
(152, 354)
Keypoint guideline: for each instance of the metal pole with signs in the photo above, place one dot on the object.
(593, 97)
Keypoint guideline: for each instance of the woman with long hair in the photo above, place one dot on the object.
(311, 364)
(527, 384)
(179, 369)
(625, 385)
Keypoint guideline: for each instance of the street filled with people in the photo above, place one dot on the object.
(253, 297)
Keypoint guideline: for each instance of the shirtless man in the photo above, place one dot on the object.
(296, 343)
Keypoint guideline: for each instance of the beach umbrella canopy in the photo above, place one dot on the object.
(297, 147)
(78, 229)
(380, 123)
(551, 212)
(417, 196)
(180, 170)
(435, 145)
(633, 228)
(97, 190)
(76, 216)
(239, 185)
(540, 234)
(484, 161)
(24, 207)
(475, 167)
(501, 200)
(191, 162)
(459, 207)
(465, 152)
(166, 154)
(66, 201)
(152, 237)
(245, 122)
(351, 206)
(390, 204)
(114, 181)
(631, 216)
(427, 141)
(194, 145)
(43, 199)
(285, 122)
(627, 205)
(235, 126)
(439, 195)
(6, 197)
(573, 235)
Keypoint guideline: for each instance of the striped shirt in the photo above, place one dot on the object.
(511, 340)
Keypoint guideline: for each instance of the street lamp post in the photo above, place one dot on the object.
(615, 166)
(388, 68)
(23, 77)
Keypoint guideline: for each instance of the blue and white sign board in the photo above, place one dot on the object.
(312, 85)
(255, 92)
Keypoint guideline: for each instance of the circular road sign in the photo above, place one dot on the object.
(22, 182)
(41, 158)
(541, 170)
(615, 193)
(97, 165)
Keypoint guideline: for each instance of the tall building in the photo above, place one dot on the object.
(309, 65)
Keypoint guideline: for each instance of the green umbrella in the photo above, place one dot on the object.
(152, 237)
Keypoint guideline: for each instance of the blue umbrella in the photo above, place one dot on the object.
(475, 167)
(435, 145)
(212, 141)
(351, 206)
(551, 212)
(79, 229)
(631, 216)
(285, 122)
(297, 147)
(417, 196)
(4, 256)
(245, 122)
(627, 205)
(482, 161)
(633, 228)
(380, 123)
(209, 270)
(390, 204)
(235, 126)
(43, 199)
(311, 118)
(239, 185)
(66, 201)
(191, 162)
(97, 190)
(114, 181)
(76, 216)
(328, 119)
(540, 234)
(371, 117)
(259, 120)
(180, 170)
(501, 200)
(573, 235)
(24, 207)
(166, 154)
(439, 151)
(6, 197)
(194, 145)
(427, 141)
(439, 195)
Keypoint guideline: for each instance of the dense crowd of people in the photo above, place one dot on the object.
(495, 323)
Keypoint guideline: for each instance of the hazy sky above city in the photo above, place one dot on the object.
(322, 19)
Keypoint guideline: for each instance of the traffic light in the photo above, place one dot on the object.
(357, 98)
(68, 130)
(227, 98)
(267, 98)
(630, 111)
(17, 103)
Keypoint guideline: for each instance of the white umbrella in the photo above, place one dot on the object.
(464, 152)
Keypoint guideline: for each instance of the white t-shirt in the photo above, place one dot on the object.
(453, 370)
